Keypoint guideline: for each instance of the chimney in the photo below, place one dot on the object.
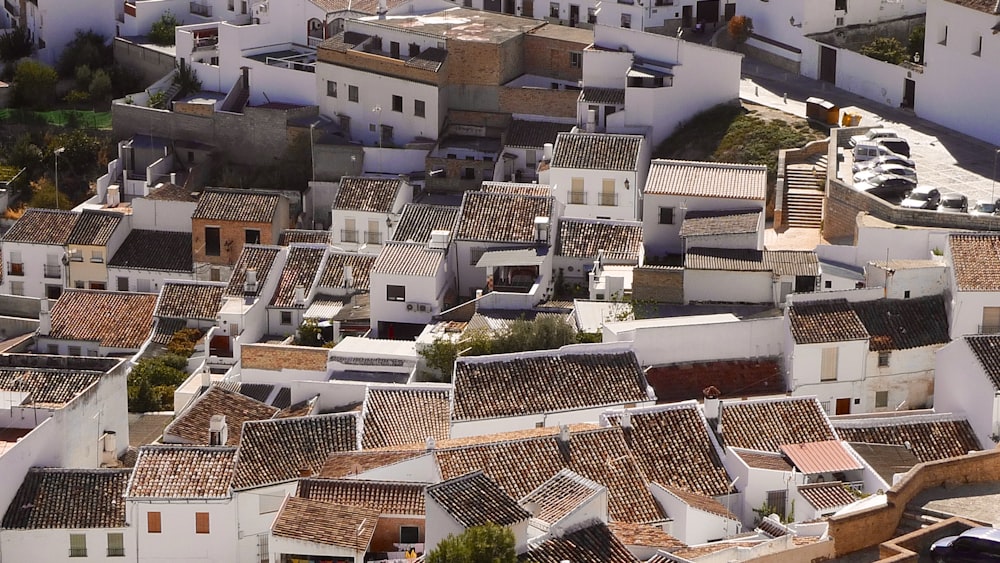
(712, 401)
(382, 9)
(564, 433)
(109, 444)
(206, 378)
(547, 151)
(439, 240)
(246, 77)
(479, 294)
(300, 295)
(250, 283)
(431, 443)
(113, 197)
(591, 121)
(44, 318)
(348, 276)
(626, 420)
(218, 432)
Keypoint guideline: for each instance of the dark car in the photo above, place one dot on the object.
(888, 187)
(953, 203)
(971, 546)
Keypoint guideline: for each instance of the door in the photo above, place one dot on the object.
(686, 16)
(508, 7)
(529, 9)
(491, 5)
(843, 406)
(574, 15)
(730, 11)
(909, 93)
(708, 11)
(828, 65)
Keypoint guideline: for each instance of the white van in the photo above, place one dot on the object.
(871, 135)
(868, 151)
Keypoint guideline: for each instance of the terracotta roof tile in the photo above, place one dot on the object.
(190, 300)
(711, 223)
(519, 384)
(191, 426)
(361, 265)
(403, 415)
(408, 259)
(768, 424)
(817, 322)
(260, 258)
(244, 206)
(975, 260)
(387, 497)
(51, 388)
(597, 151)
(42, 226)
(173, 251)
(273, 451)
(930, 437)
(592, 544)
(94, 228)
(781, 262)
(325, 523)
(516, 188)
(182, 472)
(825, 496)
(901, 324)
(764, 460)
(111, 318)
(707, 179)
(494, 217)
(68, 498)
(701, 502)
(732, 378)
(171, 192)
(289, 236)
(985, 6)
(524, 134)
(371, 194)
(886, 459)
(475, 499)
(644, 535)
(827, 456)
(621, 241)
(673, 447)
(344, 464)
(559, 496)
(603, 96)
(300, 269)
(418, 220)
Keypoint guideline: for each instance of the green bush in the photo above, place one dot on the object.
(488, 543)
(100, 86)
(162, 31)
(34, 84)
(158, 100)
(83, 74)
(183, 341)
(915, 44)
(15, 44)
(89, 49)
(152, 382)
(887, 49)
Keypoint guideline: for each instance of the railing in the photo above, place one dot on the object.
(53, 271)
(199, 9)
(78, 552)
(209, 42)
(116, 552)
(15, 269)
(578, 198)
(989, 329)
(348, 236)
(373, 237)
(609, 199)
(315, 41)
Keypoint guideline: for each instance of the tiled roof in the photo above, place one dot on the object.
(559, 496)
(68, 498)
(190, 300)
(300, 270)
(345, 464)
(165, 329)
(345, 40)
(258, 257)
(476, 499)
(824, 496)
(387, 497)
(112, 318)
(672, 445)
(582, 238)
(709, 223)
(283, 399)
(94, 228)
(701, 502)
(766, 425)
(257, 391)
(930, 438)
(171, 192)
(513, 385)
(361, 265)
(191, 426)
(732, 378)
(975, 259)
(603, 96)
(985, 6)
(245, 206)
(516, 188)
(781, 262)
(408, 259)
(325, 523)
(597, 151)
(173, 251)
(288, 236)
(817, 322)
(496, 217)
(400, 415)
(524, 134)
(51, 388)
(182, 472)
(901, 324)
(273, 451)
(431, 59)
(418, 220)
(644, 535)
(764, 460)
(600, 455)
(42, 226)
(365, 193)
(592, 544)
(828, 456)
(886, 459)
(707, 179)
(986, 349)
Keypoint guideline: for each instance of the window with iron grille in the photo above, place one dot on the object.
(776, 502)
(77, 545)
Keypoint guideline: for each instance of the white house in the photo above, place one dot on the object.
(33, 252)
(296, 288)
(449, 511)
(974, 307)
(52, 26)
(86, 322)
(581, 241)
(747, 276)
(243, 315)
(524, 147)
(968, 381)
(136, 266)
(366, 209)
(166, 208)
(903, 279)
(409, 282)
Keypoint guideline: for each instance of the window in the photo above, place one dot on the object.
(608, 195)
(251, 236)
(350, 232)
(77, 545)
(394, 49)
(906, 294)
(840, 5)
(666, 215)
(881, 399)
(828, 365)
(372, 235)
(213, 246)
(215, 274)
(827, 284)
(627, 21)
(419, 109)
(331, 88)
(286, 317)
(395, 292)
(576, 194)
(592, 16)
(97, 257)
(78, 284)
(263, 551)
(153, 523)
(232, 5)
(554, 10)
(16, 266)
(575, 58)
(52, 349)
(122, 283)
(201, 522)
(468, 173)
(73, 351)
(53, 291)
(883, 359)
(243, 8)
(409, 534)
(991, 319)
(397, 103)
(16, 288)
(352, 93)
(116, 544)
(98, 285)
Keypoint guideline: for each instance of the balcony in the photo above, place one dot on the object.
(578, 198)
(129, 9)
(12, 9)
(348, 235)
(53, 271)
(199, 9)
(609, 200)
(116, 552)
(373, 237)
(15, 269)
(205, 43)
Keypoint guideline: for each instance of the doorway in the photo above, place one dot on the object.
(828, 65)
(708, 11)
(730, 10)
(574, 15)
(686, 16)
(843, 406)
(909, 93)
(528, 10)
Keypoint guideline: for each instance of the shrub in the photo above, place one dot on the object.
(76, 97)
(158, 100)
(100, 86)
(309, 334)
(34, 84)
(89, 49)
(162, 31)
(15, 44)
(887, 49)
(489, 543)
(83, 74)
(915, 44)
(740, 28)
(183, 341)
(152, 382)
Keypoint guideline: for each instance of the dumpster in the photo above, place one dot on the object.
(822, 111)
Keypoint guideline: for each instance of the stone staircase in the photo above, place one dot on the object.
(917, 517)
(804, 183)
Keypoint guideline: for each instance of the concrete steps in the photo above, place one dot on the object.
(804, 183)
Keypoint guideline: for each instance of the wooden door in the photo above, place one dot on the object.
(844, 406)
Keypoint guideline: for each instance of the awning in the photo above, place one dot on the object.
(645, 72)
(519, 257)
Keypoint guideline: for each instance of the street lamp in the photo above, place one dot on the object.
(56, 154)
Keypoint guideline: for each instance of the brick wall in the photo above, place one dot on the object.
(658, 284)
(381, 64)
(557, 103)
(387, 532)
(151, 64)
(234, 231)
(276, 357)
(545, 56)
(472, 62)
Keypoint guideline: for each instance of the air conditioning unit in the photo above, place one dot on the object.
(411, 306)
(422, 308)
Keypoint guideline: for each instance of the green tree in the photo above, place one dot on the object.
(740, 28)
(83, 75)
(915, 43)
(15, 44)
(887, 49)
(309, 334)
(162, 30)
(187, 79)
(152, 382)
(183, 341)
(34, 84)
(100, 86)
(43, 195)
(488, 543)
(89, 49)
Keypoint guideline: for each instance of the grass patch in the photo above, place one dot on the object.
(74, 118)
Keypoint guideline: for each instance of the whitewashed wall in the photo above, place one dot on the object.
(961, 387)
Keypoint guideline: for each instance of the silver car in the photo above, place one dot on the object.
(894, 169)
(885, 159)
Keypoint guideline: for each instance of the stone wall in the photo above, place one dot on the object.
(276, 357)
(557, 103)
(149, 63)
(658, 284)
(854, 37)
(545, 56)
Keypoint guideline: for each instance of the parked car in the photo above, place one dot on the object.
(984, 207)
(892, 158)
(953, 203)
(888, 187)
(972, 545)
(870, 150)
(896, 145)
(894, 169)
(871, 135)
(922, 197)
